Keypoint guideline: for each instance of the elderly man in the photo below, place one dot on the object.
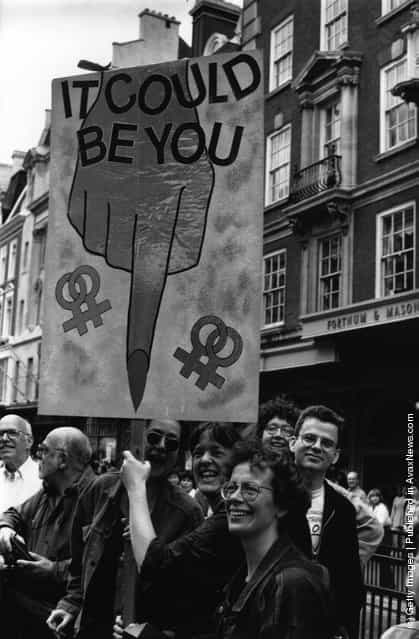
(96, 586)
(19, 477)
(43, 522)
(354, 488)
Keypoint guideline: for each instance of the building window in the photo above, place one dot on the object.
(21, 315)
(29, 379)
(3, 263)
(16, 381)
(42, 248)
(330, 129)
(390, 5)
(335, 24)
(11, 271)
(396, 251)
(278, 152)
(25, 257)
(8, 319)
(398, 119)
(330, 272)
(3, 378)
(281, 54)
(275, 266)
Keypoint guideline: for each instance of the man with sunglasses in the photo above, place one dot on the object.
(94, 593)
(35, 577)
(331, 517)
(19, 477)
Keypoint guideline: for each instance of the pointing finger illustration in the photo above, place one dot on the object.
(141, 193)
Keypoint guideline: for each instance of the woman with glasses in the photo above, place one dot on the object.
(277, 592)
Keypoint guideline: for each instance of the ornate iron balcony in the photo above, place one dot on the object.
(316, 178)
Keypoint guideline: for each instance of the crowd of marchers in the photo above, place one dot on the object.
(254, 542)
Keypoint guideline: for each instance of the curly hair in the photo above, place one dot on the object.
(289, 492)
(223, 433)
(278, 407)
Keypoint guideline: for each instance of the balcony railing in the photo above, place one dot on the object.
(316, 178)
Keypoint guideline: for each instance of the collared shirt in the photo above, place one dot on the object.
(16, 487)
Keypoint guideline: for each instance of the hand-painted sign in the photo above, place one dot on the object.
(155, 241)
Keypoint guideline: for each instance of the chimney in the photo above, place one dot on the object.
(17, 161)
(212, 17)
(158, 42)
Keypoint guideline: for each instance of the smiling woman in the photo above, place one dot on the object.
(277, 592)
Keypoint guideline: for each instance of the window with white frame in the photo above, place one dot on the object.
(330, 272)
(330, 130)
(278, 158)
(274, 273)
(398, 119)
(390, 5)
(281, 54)
(8, 316)
(396, 251)
(334, 24)
(11, 270)
(3, 378)
(3, 262)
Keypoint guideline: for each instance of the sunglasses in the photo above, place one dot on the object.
(170, 442)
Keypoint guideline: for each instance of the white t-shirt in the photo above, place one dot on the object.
(16, 489)
(315, 517)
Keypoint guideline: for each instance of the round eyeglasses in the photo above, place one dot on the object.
(249, 491)
(309, 439)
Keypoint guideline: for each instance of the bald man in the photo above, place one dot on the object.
(19, 477)
(43, 523)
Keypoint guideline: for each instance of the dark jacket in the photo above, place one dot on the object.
(45, 521)
(338, 551)
(286, 598)
(97, 518)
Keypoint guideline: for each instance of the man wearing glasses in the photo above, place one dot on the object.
(95, 588)
(19, 477)
(331, 517)
(35, 576)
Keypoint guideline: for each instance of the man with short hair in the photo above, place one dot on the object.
(43, 522)
(91, 600)
(331, 516)
(354, 488)
(19, 477)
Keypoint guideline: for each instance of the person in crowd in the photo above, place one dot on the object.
(277, 592)
(370, 532)
(380, 510)
(196, 567)
(174, 478)
(187, 482)
(43, 523)
(19, 478)
(276, 423)
(97, 583)
(354, 488)
(398, 512)
(331, 517)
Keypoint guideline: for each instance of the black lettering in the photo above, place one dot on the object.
(96, 142)
(212, 88)
(188, 159)
(117, 141)
(167, 88)
(159, 144)
(84, 85)
(189, 101)
(66, 99)
(118, 108)
(228, 67)
(235, 145)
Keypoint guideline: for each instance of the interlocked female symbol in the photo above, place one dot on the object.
(215, 342)
(81, 299)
